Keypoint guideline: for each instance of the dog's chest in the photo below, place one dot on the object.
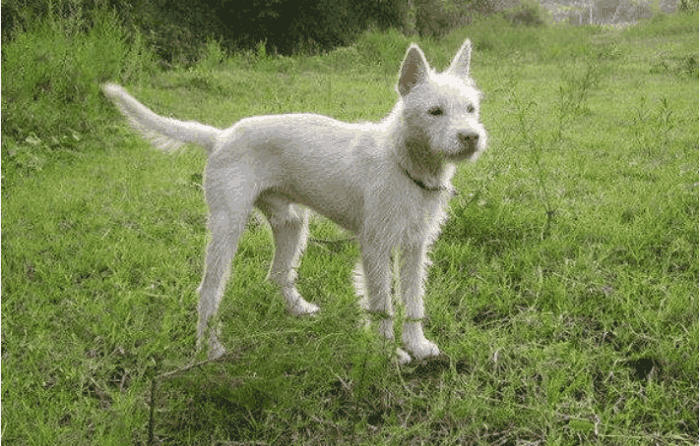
(406, 217)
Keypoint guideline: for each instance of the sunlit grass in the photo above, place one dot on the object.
(564, 289)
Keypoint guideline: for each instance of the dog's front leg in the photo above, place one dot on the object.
(413, 265)
(377, 292)
(376, 270)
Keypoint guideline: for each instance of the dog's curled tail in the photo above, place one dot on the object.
(165, 133)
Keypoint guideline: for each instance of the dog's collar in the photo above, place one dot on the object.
(424, 186)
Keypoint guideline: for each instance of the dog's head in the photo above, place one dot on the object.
(441, 110)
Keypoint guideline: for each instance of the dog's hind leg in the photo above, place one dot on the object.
(229, 208)
(290, 228)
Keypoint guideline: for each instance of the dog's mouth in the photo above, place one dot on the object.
(465, 151)
(470, 149)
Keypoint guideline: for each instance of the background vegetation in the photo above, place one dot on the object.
(564, 290)
(177, 30)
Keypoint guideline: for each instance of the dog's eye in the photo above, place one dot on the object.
(436, 111)
(471, 109)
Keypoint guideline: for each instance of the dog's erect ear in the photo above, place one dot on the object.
(413, 70)
(460, 65)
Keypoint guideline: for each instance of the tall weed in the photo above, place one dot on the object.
(573, 93)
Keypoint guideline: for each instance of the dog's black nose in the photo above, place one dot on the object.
(468, 137)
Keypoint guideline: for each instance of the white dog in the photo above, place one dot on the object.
(387, 182)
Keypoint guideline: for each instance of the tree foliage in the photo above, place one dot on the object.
(177, 29)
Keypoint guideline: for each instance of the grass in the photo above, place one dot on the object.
(564, 289)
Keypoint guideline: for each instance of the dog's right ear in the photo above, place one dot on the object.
(414, 69)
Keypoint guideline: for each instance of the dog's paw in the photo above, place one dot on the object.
(423, 349)
(402, 357)
(416, 343)
(296, 304)
(216, 351)
(302, 307)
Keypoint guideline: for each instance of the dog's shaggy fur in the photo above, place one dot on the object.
(387, 182)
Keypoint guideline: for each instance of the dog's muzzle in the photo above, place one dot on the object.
(468, 142)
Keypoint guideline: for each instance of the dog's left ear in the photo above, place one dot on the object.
(460, 64)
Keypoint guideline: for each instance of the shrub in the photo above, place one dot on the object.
(529, 13)
(58, 64)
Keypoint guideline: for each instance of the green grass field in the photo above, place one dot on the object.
(564, 290)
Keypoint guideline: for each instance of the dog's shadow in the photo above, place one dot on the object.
(204, 402)
(434, 366)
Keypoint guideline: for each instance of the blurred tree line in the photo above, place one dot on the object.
(177, 29)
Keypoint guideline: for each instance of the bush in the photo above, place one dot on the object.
(177, 29)
(437, 18)
(58, 64)
(688, 6)
(387, 48)
(529, 13)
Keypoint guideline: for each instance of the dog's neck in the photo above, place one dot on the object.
(426, 171)
(422, 185)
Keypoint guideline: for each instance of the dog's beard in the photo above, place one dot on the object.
(466, 151)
